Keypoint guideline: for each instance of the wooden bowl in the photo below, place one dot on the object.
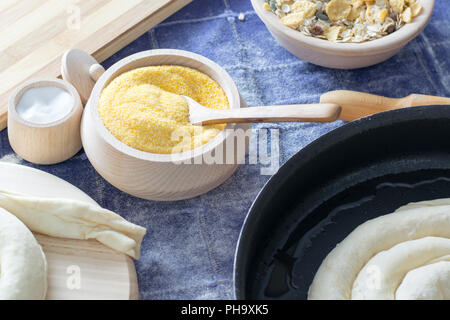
(162, 177)
(343, 55)
(48, 143)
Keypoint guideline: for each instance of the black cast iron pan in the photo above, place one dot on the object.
(364, 169)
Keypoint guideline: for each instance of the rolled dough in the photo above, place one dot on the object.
(339, 270)
(430, 282)
(23, 267)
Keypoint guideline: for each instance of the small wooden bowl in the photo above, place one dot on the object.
(162, 177)
(343, 55)
(48, 143)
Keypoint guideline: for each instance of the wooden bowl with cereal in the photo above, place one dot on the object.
(135, 127)
(344, 34)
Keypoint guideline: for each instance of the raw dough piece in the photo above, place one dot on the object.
(430, 282)
(382, 275)
(338, 271)
(73, 219)
(23, 267)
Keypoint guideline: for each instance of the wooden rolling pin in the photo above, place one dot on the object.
(356, 105)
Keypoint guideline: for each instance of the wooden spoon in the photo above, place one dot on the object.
(201, 115)
(356, 105)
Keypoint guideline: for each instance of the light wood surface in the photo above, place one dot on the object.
(356, 105)
(36, 33)
(164, 177)
(104, 273)
(201, 115)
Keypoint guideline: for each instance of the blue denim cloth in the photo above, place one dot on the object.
(189, 249)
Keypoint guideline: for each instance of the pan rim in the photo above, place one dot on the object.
(307, 154)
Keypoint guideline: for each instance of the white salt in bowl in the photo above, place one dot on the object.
(343, 55)
(51, 135)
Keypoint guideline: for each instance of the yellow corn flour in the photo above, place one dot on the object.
(143, 108)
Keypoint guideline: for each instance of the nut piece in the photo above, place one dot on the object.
(390, 29)
(315, 29)
(338, 9)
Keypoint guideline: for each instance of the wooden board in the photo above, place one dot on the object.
(103, 272)
(36, 33)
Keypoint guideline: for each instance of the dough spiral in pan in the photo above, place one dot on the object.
(403, 255)
(23, 267)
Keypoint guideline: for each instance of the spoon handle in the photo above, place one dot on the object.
(284, 113)
(356, 105)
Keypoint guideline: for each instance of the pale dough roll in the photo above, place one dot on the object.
(430, 282)
(338, 271)
(73, 219)
(424, 204)
(383, 274)
(23, 267)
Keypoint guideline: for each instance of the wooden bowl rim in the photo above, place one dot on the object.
(37, 83)
(387, 43)
(184, 57)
